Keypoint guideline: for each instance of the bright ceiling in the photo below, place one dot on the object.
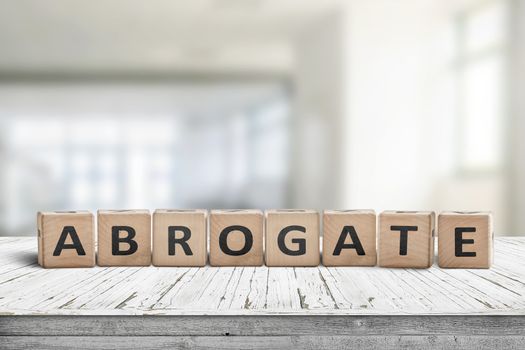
(197, 35)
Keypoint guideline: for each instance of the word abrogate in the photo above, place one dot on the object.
(274, 237)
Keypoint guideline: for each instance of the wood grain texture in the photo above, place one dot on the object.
(195, 221)
(267, 342)
(28, 289)
(363, 222)
(260, 307)
(419, 252)
(279, 219)
(479, 242)
(265, 325)
(50, 228)
(236, 240)
(139, 221)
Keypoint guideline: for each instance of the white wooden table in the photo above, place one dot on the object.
(246, 307)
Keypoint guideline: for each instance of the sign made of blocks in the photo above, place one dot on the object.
(349, 238)
(66, 239)
(124, 238)
(236, 238)
(465, 240)
(406, 239)
(280, 237)
(292, 238)
(179, 237)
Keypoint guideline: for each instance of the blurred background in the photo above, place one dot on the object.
(406, 104)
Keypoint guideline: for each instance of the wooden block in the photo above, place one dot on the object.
(124, 238)
(236, 238)
(465, 240)
(406, 239)
(66, 239)
(179, 237)
(292, 238)
(349, 238)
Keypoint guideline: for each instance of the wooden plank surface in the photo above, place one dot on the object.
(265, 342)
(261, 325)
(27, 289)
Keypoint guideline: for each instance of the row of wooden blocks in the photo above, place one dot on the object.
(275, 237)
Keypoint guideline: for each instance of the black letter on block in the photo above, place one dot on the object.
(61, 244)
(403, 238)
(182, 241)
(301, 241)
(115, 230)
(356, 243)
(248, 240)
(460, 241)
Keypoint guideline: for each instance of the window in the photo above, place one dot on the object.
(233, 152)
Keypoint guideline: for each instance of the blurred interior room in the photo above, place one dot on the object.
(407, 104)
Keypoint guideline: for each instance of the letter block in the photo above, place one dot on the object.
(406, 239)
(124, 238)
(465, 240)
(349, 238)
(292, 238)
(236, 238)
(66, 239)
(179, 237)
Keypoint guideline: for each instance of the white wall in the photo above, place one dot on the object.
(318, 114)
(388, 138)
